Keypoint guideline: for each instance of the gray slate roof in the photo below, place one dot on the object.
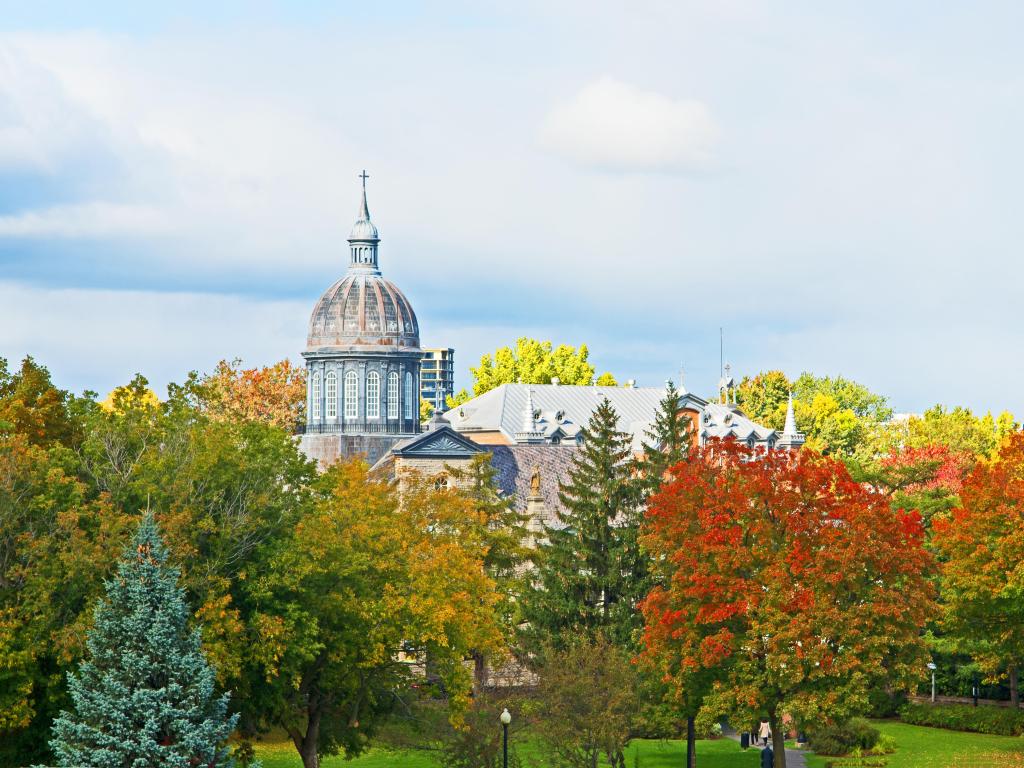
(515, 465)
(565, 409)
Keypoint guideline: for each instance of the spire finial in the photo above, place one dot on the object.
(790, 426)
(364, 238)
(364, 210)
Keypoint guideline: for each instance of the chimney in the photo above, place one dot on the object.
(555, 380)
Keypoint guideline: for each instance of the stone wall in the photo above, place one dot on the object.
(328, 449)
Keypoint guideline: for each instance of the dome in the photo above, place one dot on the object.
(364, 229)
(363, 310)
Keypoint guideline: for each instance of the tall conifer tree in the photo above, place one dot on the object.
(144, 697)
(667, 441)
(591, 573)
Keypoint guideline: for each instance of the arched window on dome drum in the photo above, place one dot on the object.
(393, 395)
(373, 395)
(351, 395)
(408, 395)
(314, 397)
(331, 392)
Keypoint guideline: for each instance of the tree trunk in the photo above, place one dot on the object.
(479, 672)
(307, 744)
(1014, 687)
(778, 739)
(691, 743)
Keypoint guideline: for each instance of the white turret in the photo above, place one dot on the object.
(791, 438)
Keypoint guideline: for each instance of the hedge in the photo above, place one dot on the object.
(999, 721)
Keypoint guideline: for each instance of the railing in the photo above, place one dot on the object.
(357, 428)
(969, 700)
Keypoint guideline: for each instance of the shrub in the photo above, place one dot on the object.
(883, 704)
(857, 734)
(886, 745)
(998, 721)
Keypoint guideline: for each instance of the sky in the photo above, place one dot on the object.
(836, 185)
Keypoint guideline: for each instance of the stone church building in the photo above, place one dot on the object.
(363, 382)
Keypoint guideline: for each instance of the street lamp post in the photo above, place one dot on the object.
(506, 718)
(931, 666)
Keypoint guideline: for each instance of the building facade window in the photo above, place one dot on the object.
(331, 393)
(393, 395)
(373, 395)
(314, 397)
(408, 395)
(351, 395)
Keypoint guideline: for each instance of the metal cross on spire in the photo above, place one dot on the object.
(364, 176)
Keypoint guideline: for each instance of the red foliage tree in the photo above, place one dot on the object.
(982, 547)
(790, 586)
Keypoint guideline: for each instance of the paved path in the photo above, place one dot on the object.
(794, 757)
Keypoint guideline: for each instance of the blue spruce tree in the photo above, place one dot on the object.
(144, 696)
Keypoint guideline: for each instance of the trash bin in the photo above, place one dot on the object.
(745, 740)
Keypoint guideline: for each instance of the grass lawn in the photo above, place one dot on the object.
(721, 753)
(918, 747)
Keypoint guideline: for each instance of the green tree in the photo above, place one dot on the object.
(666, 443)
(426, 410)
(764, 398)
(587, 697)
(838, 415)
(591, 572)
(362, 587)
(58, 538)
(505, 535)
(56, 544)
(31, 406)
(958, 429)
(533, 362)
(226, 492)
(460, 397)
(145, 695)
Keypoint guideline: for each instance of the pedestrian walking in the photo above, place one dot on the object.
(764, 732)
(767, 758)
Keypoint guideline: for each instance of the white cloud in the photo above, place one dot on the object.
(89, 220)
(39, 125)
(98, 339)
(616, 126)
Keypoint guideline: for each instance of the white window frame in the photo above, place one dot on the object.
(408, 395)
(373, 395)
(331, 395)
(393, 385)
(351, 395)
(314, 396)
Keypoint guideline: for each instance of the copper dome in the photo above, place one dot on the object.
(363, 310)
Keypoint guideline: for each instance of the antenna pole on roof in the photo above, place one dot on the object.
(721, 352)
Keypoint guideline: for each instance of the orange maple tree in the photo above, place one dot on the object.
(274, 394)
(785, 587)
(981, 545)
